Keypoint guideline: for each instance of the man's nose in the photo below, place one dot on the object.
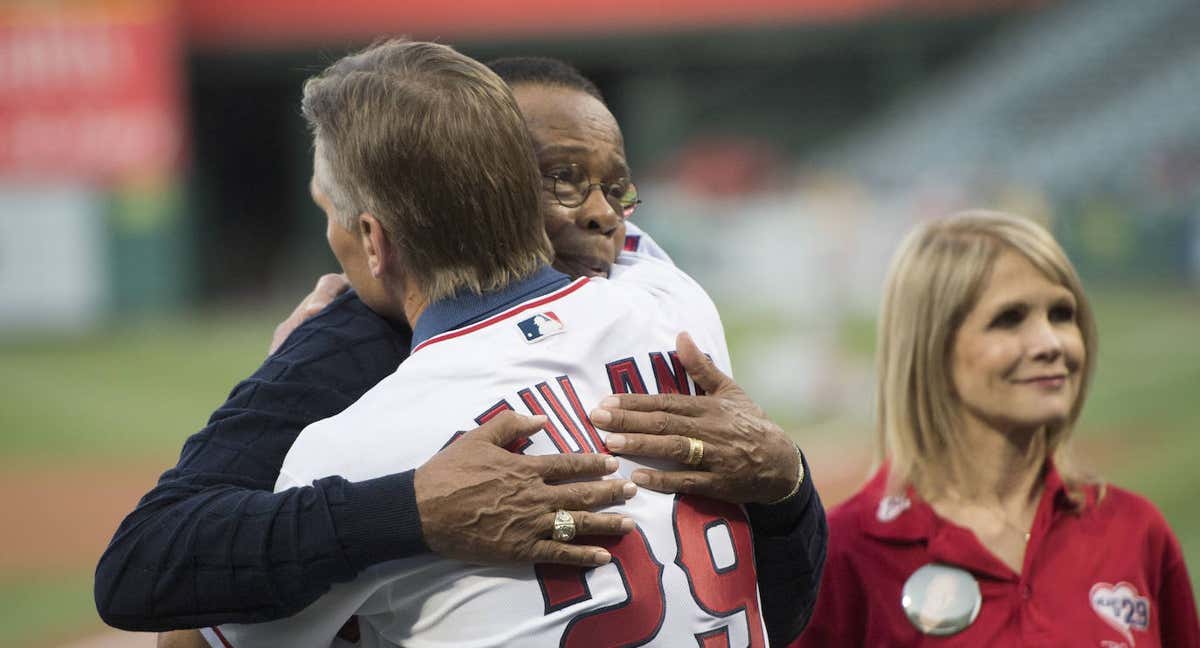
(597, 213)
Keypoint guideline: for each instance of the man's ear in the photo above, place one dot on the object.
(376, 245)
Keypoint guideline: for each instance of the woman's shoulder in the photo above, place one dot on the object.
(1133, 512)
(1109, 499)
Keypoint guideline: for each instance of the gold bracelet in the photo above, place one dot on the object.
(799, 478)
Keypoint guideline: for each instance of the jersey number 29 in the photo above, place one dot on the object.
(722, 591)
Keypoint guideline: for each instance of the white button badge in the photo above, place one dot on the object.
(941, 600)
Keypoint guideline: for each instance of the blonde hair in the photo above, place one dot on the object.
(935, 279)
(433, 145)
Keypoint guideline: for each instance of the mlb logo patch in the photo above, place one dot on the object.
(540, 326)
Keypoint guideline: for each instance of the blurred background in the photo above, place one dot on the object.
(155, 222)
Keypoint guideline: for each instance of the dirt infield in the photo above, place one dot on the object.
(115, 639)
(58, 519)
(61, 516)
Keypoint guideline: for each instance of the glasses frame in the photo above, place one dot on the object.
(585, 191)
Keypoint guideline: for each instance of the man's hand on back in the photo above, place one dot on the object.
(481, 503)
(747, 457)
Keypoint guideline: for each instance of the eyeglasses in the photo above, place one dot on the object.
(571, 188)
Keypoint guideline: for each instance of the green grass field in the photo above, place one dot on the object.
(133, 393)
(136, 390)
(34, 607)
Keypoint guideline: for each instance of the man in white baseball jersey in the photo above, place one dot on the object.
(450, 238)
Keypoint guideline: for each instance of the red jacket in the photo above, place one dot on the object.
(1111, 576)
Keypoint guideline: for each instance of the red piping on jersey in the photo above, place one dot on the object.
(224, 641)
(561, 292)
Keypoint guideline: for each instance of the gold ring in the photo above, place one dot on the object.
(695, 452)
(564, 526)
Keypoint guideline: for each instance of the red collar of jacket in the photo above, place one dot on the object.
(904, 519)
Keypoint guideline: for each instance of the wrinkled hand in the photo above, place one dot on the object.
(747, 458)
(483, 504)
(328, 288)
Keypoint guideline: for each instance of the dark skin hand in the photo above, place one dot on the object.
(747, 458)
(483, 504)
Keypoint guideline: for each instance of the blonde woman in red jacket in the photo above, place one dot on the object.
(976, 530)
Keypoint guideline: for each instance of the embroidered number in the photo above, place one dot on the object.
(631, 622)
(723, 589)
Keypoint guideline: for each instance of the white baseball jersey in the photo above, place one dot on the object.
(685, 575)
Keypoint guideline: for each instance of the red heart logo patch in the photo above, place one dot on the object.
(1121, 607)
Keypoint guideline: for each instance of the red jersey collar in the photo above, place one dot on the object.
(901, 519)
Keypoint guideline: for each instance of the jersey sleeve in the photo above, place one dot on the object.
(691, 303)
(212, 544)
(638, 241)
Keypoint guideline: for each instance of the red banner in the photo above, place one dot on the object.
(89, 90)
(303, 23)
